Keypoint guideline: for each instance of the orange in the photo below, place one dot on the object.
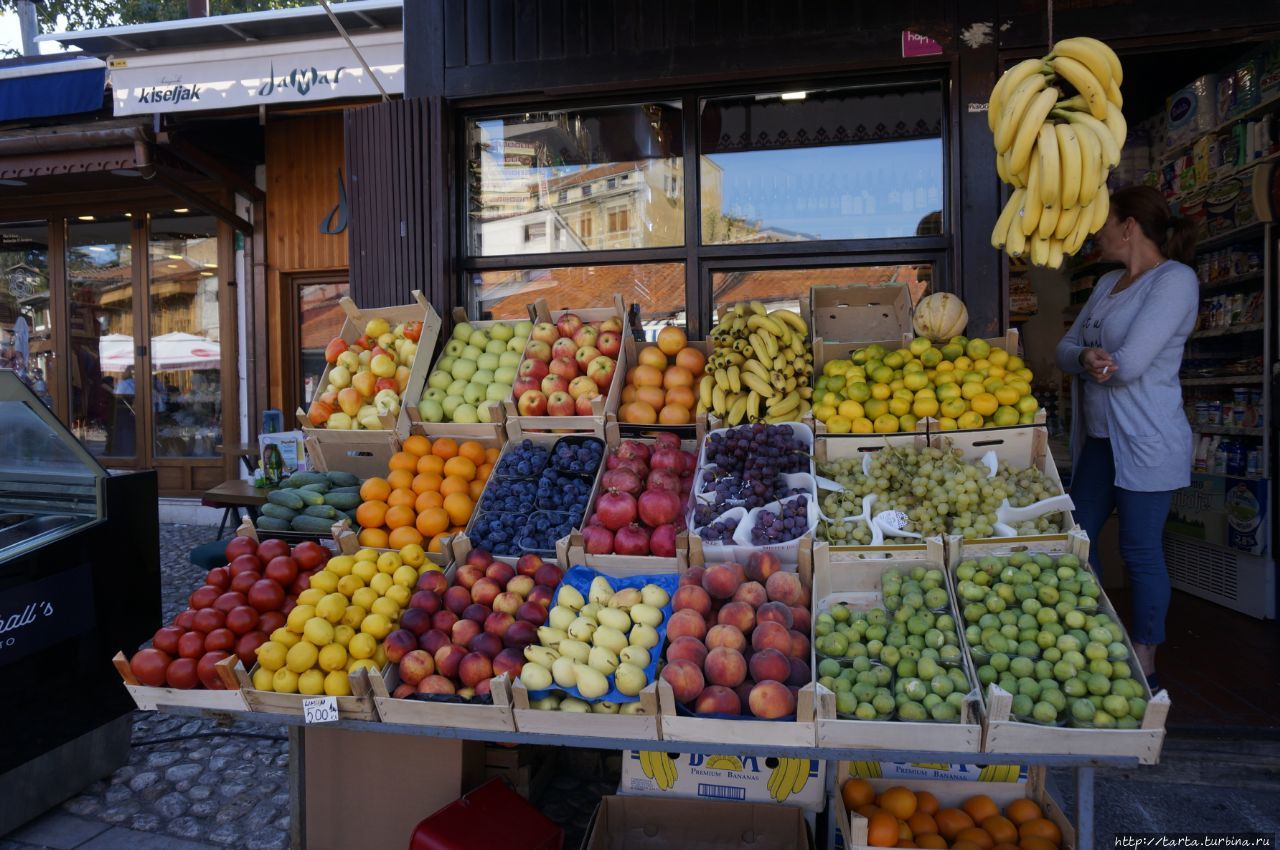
(1040, 828)
(431, 463)
(373, 538)
(966, 845)
(417, 445)
(652, 396)
(692, 359)
(1002, 829)
(905, 843)
(1033, 843)
(404, 536)
(980, 807)
(403, 460)
(932, 841)
(371, 514)
(456, 529)
(677, 376)
(433, 521)
(402, 496)
(1021, 811)
(429, 499)
(459, 507)
(400, 479)
(491, 454)
(461, 467)
(976, 835)
(927, 803)
(648, 376)
(868, 810)
(904, 832)
(639, 413)
(882, 830)
(399, 516)
(951, 821)
(445, 447)
(424, 481)
(898, 801)
(652, 357)
(475, 488)
(435, 544)
(483, 471)
(922, 824)
(629, 393)
(675, 414)
(375, 490)
(454, 484)
(683, 396)
(857, 792)
(472, 451)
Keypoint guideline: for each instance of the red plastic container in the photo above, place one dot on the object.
(492, 817)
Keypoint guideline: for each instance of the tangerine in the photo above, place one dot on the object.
(976, 835)
(951, 821)
(472, 451)
(639, 413)
(868, 810)
(677, 376)
(898, 801)
(459, 507)
(404, 536)
(648, 376)
(1021, 811)
(475, 488)
(417, 445)
(683, 396)
(965, 845)
(400, 479)
(433, 522)
(932, 841)
(483, 471)
(675, 414)
(399, 516)
(922, 823)
(371, 514)
(429, 481)
(431, 463)
(904, 832)
(1006, 847)
(375, 490)
(980, 807)
(402, 496)
(445, 447)
(692, 359)
(906, 843)
(491, 455)
(856, 793)
(629, 393)
(373, 538)
(454, 484)
(652, 357)
(882, 830)
(927, 803)
(1033, 843)
(461, 467)
(429, 499)
(1002, 830)
(403, 460)
(1040, 828)
(652, 396)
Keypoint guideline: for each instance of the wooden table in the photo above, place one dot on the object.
(247, 452)
(231, 496)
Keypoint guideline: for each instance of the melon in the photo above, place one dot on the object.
(940, 317)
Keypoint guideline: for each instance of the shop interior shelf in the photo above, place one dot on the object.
(1240, 233)
(1243, 116)
(1227, 429)
(1251, 327)
(1222, 379)
(1234, 280)
(1235, 172)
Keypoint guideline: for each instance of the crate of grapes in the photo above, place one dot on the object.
(891, 671)
(1058, 667)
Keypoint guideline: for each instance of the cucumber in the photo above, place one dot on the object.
(342, 479)
(278, 511)
(311, 524)
(300, 479)
(355, 490)
(344, 501)
(323, 511)
(288, 499)
(320, 487)
(310, 497)
(270, 523)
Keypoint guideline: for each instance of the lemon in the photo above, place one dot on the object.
(994, 371)
(946, 392)
(931, 357)
(981, 365)
(405, 575)
(904, 394)
(998, 357)
(886, 424)
(1014, 363)
(284, 681)
(336, 684)
(1019, 385)
(271, 655)
(823, 412)
(376, 625)
(285, 638)
(347, 585)
(946, 366)
(379, 657)
(926, 392)
(1006, 395)
(400, 594)
(301, 656)
(863, 425)
(875, 407)
(830, 399)
(332, 607)
(311, 683)
(974, 377)
(318, 631)
(1023, 374)
(920, 345)
(970, 390)
(385, 607)
(326, 581)
(913, 366)
(310, 596)
(969, 420)
(953, 407)
(876, 351)
(894, 360)
(963, 364)
(366, 570)
(413, 555)
(896, 384)
(262, 679)
(915, 381)
(879, 391)
(380, 583)
(882, 375)
(1027, 419)
(899, 406)
(946, 423)
(992, 384)
(298, 617)
(367, 555)
(925, 407)
(429, 567)
(839, 424)
(389, 562)
(952, 352)
(340, 565)
(1027, 404)
(354, 615)
(984, 404)
(977, 349)
(946, 379)
(364, 597)
(363, 646)
(851, 410)
(859, 391)
(1005, 416)
(342, 634)
(333, 657)
(835, 383)
(363, 664)
(907, 422)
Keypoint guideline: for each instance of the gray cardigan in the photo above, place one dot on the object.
(1145, 334)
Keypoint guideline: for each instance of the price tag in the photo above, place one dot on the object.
(320, 710)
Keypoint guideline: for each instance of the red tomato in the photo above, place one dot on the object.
(238, 546)
(204, 597)
(310, 555)
(269, 549)
(244, 581)
(148, 666)
(270, 621)
(242, 619)
(181, 674)
(166, 639)
(282, 570)
(186, 620)
(219, 640)
(228, 600)
(247, 647)
(244, 564)
(218, 577)
(266, 595)
(208, 675)
(191, 645)
(208, 619)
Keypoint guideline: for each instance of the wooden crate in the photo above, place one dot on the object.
(639, 727)
(341, 540)
(696, 430)
(148, 698)
(951, 793)
(412, 712)
(358, 706)
(494, 429)
(519, 426)
(858, 583)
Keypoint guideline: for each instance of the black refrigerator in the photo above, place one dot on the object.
(79, 580)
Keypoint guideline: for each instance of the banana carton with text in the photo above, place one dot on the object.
(751, 779)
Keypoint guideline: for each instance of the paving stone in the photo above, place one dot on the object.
(132, 839)
(163, 758)
(233, 789)
(200, 792)
(227, 834)
(145, 822)
(267, 839)
(179, 772)
(59, 831)
(118, 794)
(204, 808)
(285, 822)
(185, 827)
(234, 811)
(84, 806)
(121, 812)
(172, 805)
(219, 763)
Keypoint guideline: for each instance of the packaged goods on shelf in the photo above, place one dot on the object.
(749, 779)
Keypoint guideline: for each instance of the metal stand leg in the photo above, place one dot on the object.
(1084, 808)
(297, 788)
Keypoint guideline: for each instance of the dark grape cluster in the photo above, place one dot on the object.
(499, 533)
(720, 531)
(508, 494)
(543, 529)
(788, 524)
(582, 458)
(560, 492)
(523, 461)
(758, 452)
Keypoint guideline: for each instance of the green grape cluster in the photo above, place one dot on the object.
(937, 489)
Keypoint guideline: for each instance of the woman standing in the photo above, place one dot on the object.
(1131, 443)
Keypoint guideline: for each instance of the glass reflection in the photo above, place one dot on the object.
(26, 315)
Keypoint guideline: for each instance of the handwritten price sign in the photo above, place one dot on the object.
(320, 710)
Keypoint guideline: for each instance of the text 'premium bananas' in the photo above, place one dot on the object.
(1056, 149)
(760, 366)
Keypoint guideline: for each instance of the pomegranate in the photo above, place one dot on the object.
(658, 507)
(663, 541)
(616, 509)
(690, 461)
(667, 459)
(594, 519)
(621, 479)
(664, 479)
(631, 540)
(635, 449)
(666, 440)
(598, 540)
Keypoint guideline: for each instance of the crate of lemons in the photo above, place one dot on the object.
(962, 383)
(339, 623)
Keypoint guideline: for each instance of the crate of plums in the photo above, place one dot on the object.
(537, 494)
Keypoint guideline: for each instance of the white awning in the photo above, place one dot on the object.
(171, 352)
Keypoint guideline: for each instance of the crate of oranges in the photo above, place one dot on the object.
(946, 814)
(428, 494)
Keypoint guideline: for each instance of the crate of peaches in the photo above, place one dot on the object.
(428, 495)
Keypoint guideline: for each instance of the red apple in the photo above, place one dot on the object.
(524, 385)
(585, 355)
(565, 367)
(583, 407)
(601, 371)
(532, 403)
(560, 403)
(563, 349)
(568, 324)
(537, 351)
(609, 343)
(612, 324)
(582, 386)
(545, 332)
(553, 384)
(586, 336)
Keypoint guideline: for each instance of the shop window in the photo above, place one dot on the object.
(789, 288)
(319, 319)
(619, 220)
(822, 165)
(585, 228)
(658, 289)
(26, 313)
(522, 167)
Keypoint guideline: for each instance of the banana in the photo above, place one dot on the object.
(753, 381)
(1090, 164)
(1073, 243)
(764, 342)
(1012, 111)
(1055, 254)
(1029, 128)
(1116, 124)
(1016, 243)
(735, 381)
(764, 322)
(1050, 167)
(739, 309)
(718, 401)
(1114, 95)
(737, 411)
(1017, 181)
(784, 404)
(793, 319)
(1031, 204)
(1048, 221)
(1002, 169)
(722, 379)
(802, 776)
(1110, 150)
(1069, 157)
(1101, 206)
(1039, 251)
(1086, 54)
(1093, 89)
(797, 346)
(1117, 70)
(1000, 233)
(758, 308)
(1066, 222)
(1009, 80)
(757, 367)
(753, 406)
(704, 389)
(779, 362)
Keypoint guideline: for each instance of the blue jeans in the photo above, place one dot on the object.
(1142, 516)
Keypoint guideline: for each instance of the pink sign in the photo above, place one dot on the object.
(914, 45)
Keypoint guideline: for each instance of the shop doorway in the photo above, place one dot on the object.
(316, 317)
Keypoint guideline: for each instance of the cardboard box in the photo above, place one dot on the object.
(645, 823)
(364, 454)
(853, 312)
(735, 778)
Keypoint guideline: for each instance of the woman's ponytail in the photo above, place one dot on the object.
(1180, 241)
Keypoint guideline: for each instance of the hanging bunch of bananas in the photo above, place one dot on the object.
(760, 367)
(1056, 148)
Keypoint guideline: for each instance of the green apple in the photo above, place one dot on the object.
(512, 359)
(431, 411)
(517, 344)
(497, 391)
(495, 346)
(462, 331)
(454, 348)
(474, 392)
(487, 361)
(439, 380)
(479, 339)
(466, 414)
(501, 331)
(450, 406)
(434, 394)
(472, 352)
(464, 369)
(456, 388)
(523, 328)
(484, 413)
(484, 377)
(505, 375)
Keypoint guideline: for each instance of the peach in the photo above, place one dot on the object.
(500, 573)
(416, 620)
(485, 644)
(717, 699)
(744, 693)
(770, 665)
(725, 666)
(479, 558)
(542, 594)
(761, 565)
(549, 575)
(433, 581)
(751, 593)
(532, 612)
(688, 649)
(771, 636)
(685, 679)
(403, 691)
(800, 674)
(775, 612)
(464, 630)
(443, 620)
(522, 585)
(722, 580)
(398, 644)
(785, 588)
(799, 645)
(457, 598)
(476, 611)
(801, 619)
(727, 636)
(686, 623)
(433, 640)
(508, 661)
(467, 575)
(498, 622)
(738, 614)
(416, 666)
(693, 576)
(771, 700)
(507, 602)
(448, 657)
(528, 564)
(521, 634)
(474, 668)
(485, 591)
(692, 597)
(426, 600)
(436, 685)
